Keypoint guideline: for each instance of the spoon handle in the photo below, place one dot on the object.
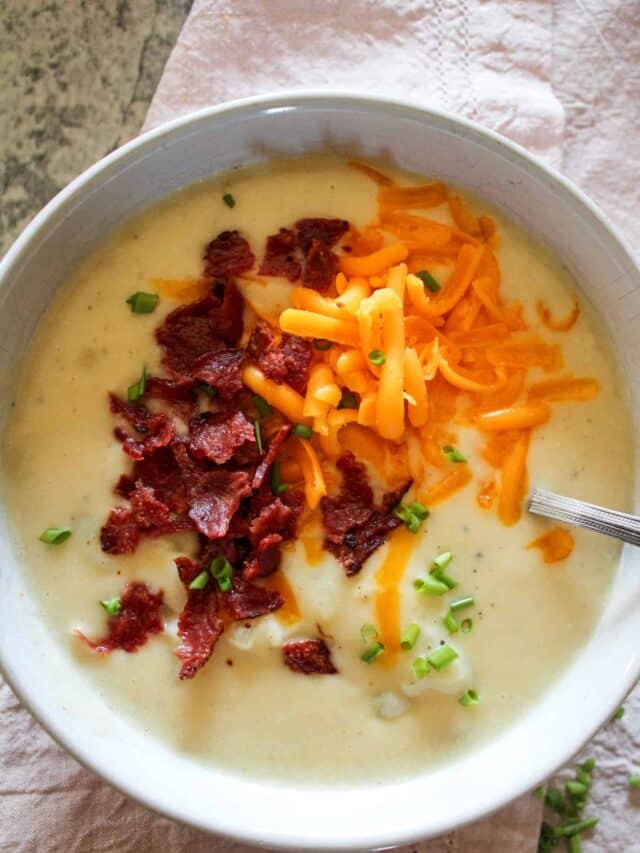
(621, 525)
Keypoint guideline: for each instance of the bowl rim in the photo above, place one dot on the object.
(299, 99)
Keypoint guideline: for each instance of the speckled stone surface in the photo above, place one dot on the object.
(76, 80)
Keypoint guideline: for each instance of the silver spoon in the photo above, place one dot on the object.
(621, 525)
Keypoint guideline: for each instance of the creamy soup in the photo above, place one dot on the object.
(246, 711)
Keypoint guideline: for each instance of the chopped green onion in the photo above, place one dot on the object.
(409, 636)
(143, 303)
(540, 791)
(222, 571)
(229, 200)
(576, 789)
(258, 434)
(588, 765)
(135, 391)
(264, 409)
(368, 632)
(634, 781)
(555, 800)
(619, 714)
(430, 586)
(429, 281)
(461, 603)
(277, 486)
(377, 357)
(442, 657)
(420, 510)
(442, 560)
(303, 431)
(55, 535)
(200, 581)
(453, 454)
(348, 401)
(420, 667)
(566, 830)
(443, 578)
(469, 698)
(374, 651)
(575, 844)
(412, 515)
(321, 344)
(584, 777)
(466, 625)
(207, 389)
(450, 622)
(111, 605)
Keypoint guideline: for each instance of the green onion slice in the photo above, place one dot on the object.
(570, 828)
(207, 389)
(277, 486)
(321, 344)
(135, 391)
(374, 651)
(409, 636)
(430, 586)
(264, 409)
(420, 667)
(377, 357)
(469, 698)
(442, 657)
(555, 800)
(368, 632)
(258, 434)
(450, 622)
(575, 844)
(443, 560)
(466, 625)
(348, 400)
(143, 303)
(453, 454)
(55, 535)
(229, 200)
(412, 515)
(588, 765)
(222, 571)
(429, 281)
(200, 581)
(619, 714)
(111, 605)
(461, 603)
(634, 781)
(303, 431)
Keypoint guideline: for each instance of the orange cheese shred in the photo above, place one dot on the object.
(563, 325)
(555, 545)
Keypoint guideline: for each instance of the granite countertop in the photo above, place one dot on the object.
(77, 77)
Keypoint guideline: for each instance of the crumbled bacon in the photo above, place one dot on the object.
(309, 657)
(222, 370)
(285, 361)
(218, 437)
(138, 618)
(119, 534)
(162, 473)
(272, 451)
(199, 624)
(181, 396)
(154, 430)
(247, 600)
(274, 523)
(325, 231)
(228, 255)
(354, 526)
(266, 558)
(214, 496)
(320, 266)
(280, 256)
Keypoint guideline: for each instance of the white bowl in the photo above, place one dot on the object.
(42, 673)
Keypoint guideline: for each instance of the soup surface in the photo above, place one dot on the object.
(245, 710)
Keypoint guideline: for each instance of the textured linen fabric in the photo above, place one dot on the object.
(562, 78)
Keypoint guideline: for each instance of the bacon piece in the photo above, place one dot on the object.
(246, 600)
(280, 256)
(266, 558)
(120, 534)
(156, 430)
(200, 327)
(137, 619)
(227, 255)
(162, 473)
(309, 657)
(222, 370)
(181, 396)
(274, 523)
(199, 624)
(217, 437)
(287, 361)
(354, 526)
(272, 451)
(213, 496)
(320, 266)
(325, 231)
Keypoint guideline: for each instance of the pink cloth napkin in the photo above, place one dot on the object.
(562, 77)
